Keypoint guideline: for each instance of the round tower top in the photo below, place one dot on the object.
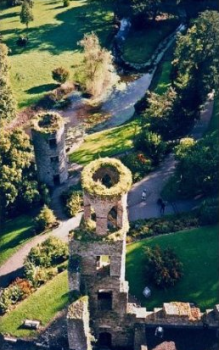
(106, 178)
(47, 123)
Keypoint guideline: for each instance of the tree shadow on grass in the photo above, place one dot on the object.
(58, 38)
(42, 88)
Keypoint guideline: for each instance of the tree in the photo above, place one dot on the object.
(152, 144)
(60, 74)
(26, 15)
(45, 219)
(196, 60)
(7, 101)
(163, 267)
(197, 169)
(96, 73)
(18, 185)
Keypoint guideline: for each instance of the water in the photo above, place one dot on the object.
(118, 106)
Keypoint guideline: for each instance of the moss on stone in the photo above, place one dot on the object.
(97, 188)
(76, 309)
(47, 123)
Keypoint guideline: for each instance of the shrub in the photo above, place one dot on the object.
(66, 3)
(152, 144)
(163, 267)
(60, 74)
(51, 252)
(208, 212)
(45, 219)
(138, 164)
(74, 203)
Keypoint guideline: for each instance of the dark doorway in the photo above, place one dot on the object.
(105, 340)
(56, 180)
(105, 300)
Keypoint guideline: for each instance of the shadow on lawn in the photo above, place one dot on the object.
(58, 38)
(42, 88)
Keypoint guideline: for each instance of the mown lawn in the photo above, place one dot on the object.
(15, 233)
(41, 305)
(53, 37)
(198, 251)
(140, 45)
(106, 143)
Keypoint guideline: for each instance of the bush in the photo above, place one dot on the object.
(138, 164)
(74, 203)
(45, 219)
(66, 3)
(163, 267)
(60, 74)
(152, 144)
(208, 212)
(51, 252)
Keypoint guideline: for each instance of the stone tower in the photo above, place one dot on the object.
(49, 148)
(97, 260)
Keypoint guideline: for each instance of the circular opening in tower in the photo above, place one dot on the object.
(108, 176)
(47, 122)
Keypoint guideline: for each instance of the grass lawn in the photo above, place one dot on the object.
(140, 45)
(41, 305)
(198, 251)
(15, 233)
(106, 143)
(53, 37)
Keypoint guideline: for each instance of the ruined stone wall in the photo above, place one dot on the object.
(50, 161)
(88, 251)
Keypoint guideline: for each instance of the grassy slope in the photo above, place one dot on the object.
(198, 251)
(53, 37)
(15, 233)
(41, 305)
(106, 143)
(147, 41)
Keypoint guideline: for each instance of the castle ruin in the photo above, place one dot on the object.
(101, 308)
(49, 147)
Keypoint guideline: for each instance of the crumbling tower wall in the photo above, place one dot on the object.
(49, 148)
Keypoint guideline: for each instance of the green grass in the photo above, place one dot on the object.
(106, 143)
(15, 233)
(140, 45)
(41, 305)
(198, 251)
(53, 37)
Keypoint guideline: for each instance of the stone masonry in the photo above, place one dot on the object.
(100, 251)
(49, 148)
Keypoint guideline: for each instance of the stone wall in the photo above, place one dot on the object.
(50, 161)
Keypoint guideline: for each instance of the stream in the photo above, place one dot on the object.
(118, 107)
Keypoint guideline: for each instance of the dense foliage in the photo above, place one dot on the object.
(45, 219)
(163, 267)
(19, 188)
(197, 170)
(26, 14)
(7, 101)
(60, 74)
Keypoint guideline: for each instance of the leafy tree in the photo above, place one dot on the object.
(7, 101)
(18, 185)
(45, 219)
(196, 60)
(66, 3)
(152, 144)
(96, 73)
(26, 15)
(197, 169)
(163, 267)
(60, 74)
